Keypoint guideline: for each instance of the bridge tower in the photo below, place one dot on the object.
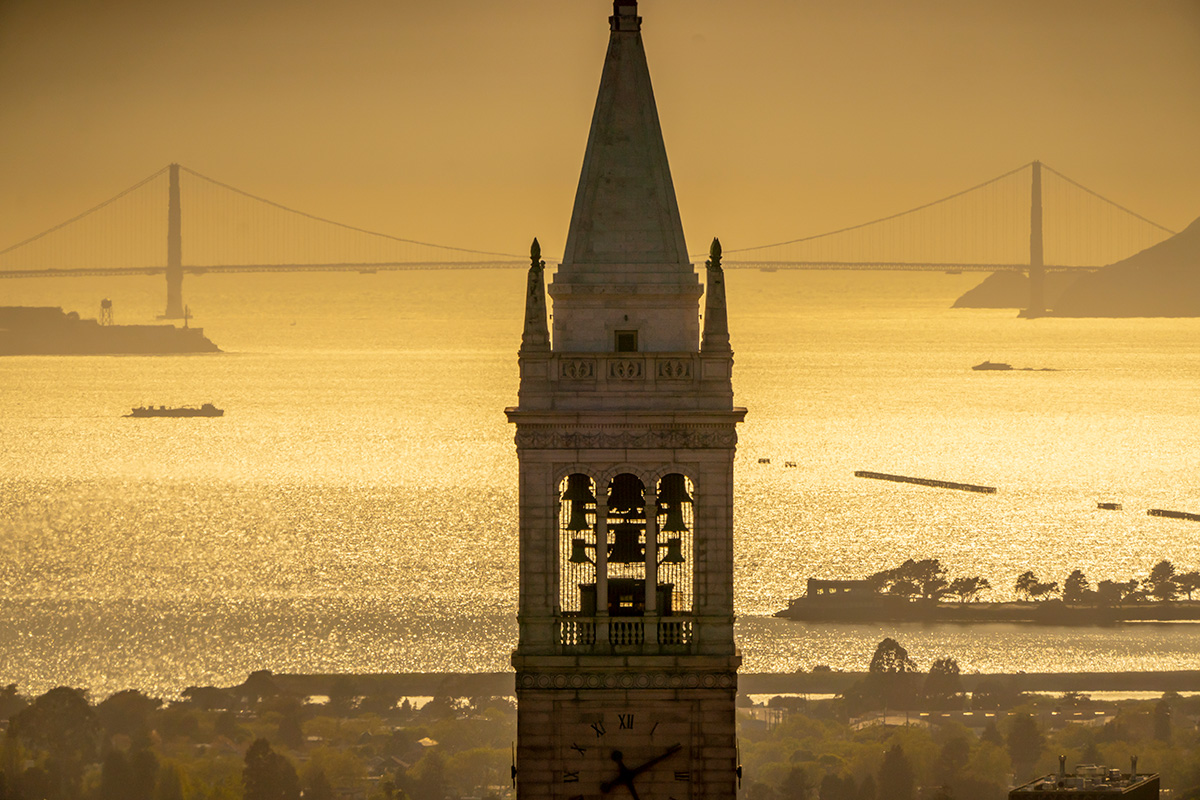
(174, 248)
(1037, 268)
(626, 669)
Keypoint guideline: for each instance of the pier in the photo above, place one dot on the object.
(963, 487)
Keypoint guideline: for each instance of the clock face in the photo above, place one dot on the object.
(635, 753)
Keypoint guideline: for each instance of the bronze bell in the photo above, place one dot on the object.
(674, 522)
(672, 491)
(674, 551)
(578, 520)
(579, 494)
(579, 553)
(627, 544)
(625, 495)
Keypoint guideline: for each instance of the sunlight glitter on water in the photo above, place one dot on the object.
(355, 508)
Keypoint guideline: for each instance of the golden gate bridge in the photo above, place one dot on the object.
(1030, 219)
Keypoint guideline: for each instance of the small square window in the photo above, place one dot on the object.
(626, 341)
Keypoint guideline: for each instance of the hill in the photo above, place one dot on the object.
(1160, 281)
(1011, 290)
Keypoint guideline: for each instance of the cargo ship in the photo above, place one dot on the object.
(48, 330)
(206, 410)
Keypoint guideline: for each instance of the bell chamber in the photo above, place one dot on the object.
(631, 551)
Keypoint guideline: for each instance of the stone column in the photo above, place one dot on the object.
(650, 498)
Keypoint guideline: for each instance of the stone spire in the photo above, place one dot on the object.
(626, 263)
(716, 320)
(536, 335)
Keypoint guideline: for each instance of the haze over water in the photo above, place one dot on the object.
(355, 510)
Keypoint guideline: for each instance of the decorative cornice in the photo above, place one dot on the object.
(681, 438)
(627, 680)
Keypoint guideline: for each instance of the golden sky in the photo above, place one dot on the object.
(464, 122)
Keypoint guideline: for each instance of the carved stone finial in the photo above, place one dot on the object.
(536, 335)
(716, 320)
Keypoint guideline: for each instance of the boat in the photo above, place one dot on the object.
(992, 365)
(206, 410)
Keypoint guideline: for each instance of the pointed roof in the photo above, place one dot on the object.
(625, 227)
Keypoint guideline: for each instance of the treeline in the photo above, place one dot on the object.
(253, 742)
(856, 747)
(927, 579)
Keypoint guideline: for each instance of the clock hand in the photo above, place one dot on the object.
(625, 775)
(672, 750)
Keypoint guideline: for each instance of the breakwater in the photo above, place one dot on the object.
(963, 487)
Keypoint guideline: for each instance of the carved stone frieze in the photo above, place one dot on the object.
(674, 369)
(699, 437)
(626, 369)
(627, 680)
(577, 368)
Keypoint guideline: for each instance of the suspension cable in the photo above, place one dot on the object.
(78, 217)
(342, 224)
(881, 219)
(1110, 202)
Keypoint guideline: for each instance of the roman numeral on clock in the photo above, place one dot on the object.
(571, 777)
(598, 727)
(683, 776)
(626, 721)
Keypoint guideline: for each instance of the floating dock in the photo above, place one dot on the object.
(1162, 512)
(963, 487)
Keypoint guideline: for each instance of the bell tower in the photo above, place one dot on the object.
(626, 669)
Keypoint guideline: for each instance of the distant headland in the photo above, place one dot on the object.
(47, 330)
(1160, 281)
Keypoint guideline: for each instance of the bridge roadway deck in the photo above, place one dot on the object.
(862, 266)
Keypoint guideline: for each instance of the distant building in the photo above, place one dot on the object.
(1090, 781)
(820, 589)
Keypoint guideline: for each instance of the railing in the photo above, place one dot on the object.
(576, 632)
(580, 633)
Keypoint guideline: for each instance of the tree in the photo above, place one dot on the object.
(991, 734)
(926, 578)
(268, 775)
(1026, 581)
(952, 760)
(1043, 590)
(1162, 721)
(943, 686)
(1160, 583)
(427, 779)
(115, 776)
(126, 712)
(891, 679)
(319, 787)
(63, 726)
(896, 774)
(1111, 593)
(1188, 582)
(170, 784)
(866, 789)
(10, 701)
(835, 787)
(967, 590)
(1025, 744)
(891, 657)
(143, 768)
(1075, 590)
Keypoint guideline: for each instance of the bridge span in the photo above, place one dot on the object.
(1000, 225)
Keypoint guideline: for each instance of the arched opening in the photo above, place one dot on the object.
(577, 541)
(675, 545)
